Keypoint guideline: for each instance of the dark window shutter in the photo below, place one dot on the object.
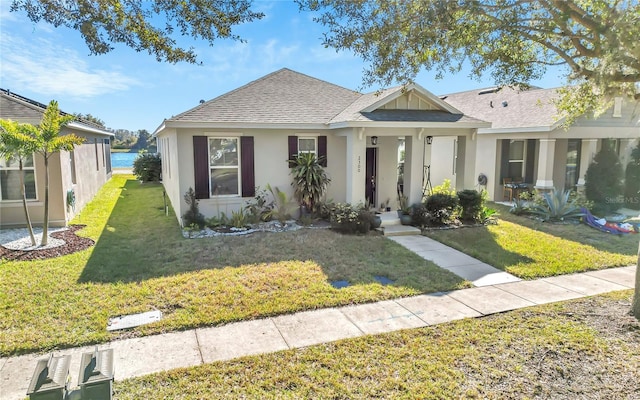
(504, 161)
(247, 167)
(322, 150)
(201, 166)
(531, 159)
(293, 149)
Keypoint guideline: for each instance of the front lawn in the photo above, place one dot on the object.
(532, 249)
(141, 262)
(588, 348)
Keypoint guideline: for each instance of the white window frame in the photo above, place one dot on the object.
(237, 167)
(524, 156)
(25, 169)
(315, 145)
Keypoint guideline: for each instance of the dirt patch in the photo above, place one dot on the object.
(73, 243)
(541, 369)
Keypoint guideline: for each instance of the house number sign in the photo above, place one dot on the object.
(359, 163)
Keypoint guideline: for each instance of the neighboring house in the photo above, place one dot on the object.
(525, 140)
(226, 147)
(80, 173)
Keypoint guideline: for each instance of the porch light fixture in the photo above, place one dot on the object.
(374, 140)
(429, 139)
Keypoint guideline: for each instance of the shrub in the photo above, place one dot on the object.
(147, 167)
(193, 215)
(632, 180)
(419, 215)
(441, 207)
(258, 208)
(346, 218)
(445, 188)
(238, 219)
(281, 208)
(471, 203)
(557, 207)
(603, 181)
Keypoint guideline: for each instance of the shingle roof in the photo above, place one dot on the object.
(508, 107)
(284, 96)
(414, 116)
(25, 110)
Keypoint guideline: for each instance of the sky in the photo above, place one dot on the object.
(131, 90)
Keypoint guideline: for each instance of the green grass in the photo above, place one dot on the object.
(552, 351)
(141, 262)
(531, 249)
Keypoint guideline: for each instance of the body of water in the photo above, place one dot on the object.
(123, 160)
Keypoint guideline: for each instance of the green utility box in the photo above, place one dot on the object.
(96, 375)
(50, 379)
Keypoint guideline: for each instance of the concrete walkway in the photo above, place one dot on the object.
(467, 267)
(146, 355)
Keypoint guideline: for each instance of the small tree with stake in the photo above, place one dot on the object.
(48, 141)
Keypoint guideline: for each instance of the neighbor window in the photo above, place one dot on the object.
(224, 170)
(306, 145)
(516, 158)
(10, 179)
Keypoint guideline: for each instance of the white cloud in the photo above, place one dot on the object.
(50, 69)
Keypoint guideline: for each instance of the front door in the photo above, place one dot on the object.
(370, 176)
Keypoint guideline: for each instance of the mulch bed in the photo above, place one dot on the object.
(73, 243)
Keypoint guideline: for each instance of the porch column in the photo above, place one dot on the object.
(356, 163)
(587, 152)
(545, 164)
(466, 163)
(413, 168)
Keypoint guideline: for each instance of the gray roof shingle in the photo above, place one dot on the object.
(284, 96)
(508, 107)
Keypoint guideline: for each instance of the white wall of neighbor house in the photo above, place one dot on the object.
(171, 167)
(443, 160)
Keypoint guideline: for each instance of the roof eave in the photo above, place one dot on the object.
(90, 129)
(238, 125)
(524, 129)
(409, 124)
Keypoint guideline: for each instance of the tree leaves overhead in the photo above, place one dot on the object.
(514, 41)
(143, 25)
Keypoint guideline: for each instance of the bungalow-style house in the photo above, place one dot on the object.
(226, 147)
(527, 143)
(74, 177)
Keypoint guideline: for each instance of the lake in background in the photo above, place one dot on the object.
(123, 160)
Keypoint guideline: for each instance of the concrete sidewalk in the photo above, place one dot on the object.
(467, 267)
(146, 355)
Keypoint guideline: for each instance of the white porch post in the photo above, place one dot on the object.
(545, 164)
(356, 165)
(587, 151)
(466, 163)
(413, 168)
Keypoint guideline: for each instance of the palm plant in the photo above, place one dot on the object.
(310, 180)
(48, 141)
(557, 206)
(15, 142)
(281, 208)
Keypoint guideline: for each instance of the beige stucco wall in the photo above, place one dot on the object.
(271, 167)
(89, 180)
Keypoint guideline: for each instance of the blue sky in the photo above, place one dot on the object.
(130, 90)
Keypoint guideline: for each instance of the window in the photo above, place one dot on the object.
(72, 162)
(224, 171)
(306, 145)
(516, 159)
(612, 144)
(10, 179)
(573, 163)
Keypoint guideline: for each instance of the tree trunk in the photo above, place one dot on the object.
(24, 204)
(45, 223)
(635, 307)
